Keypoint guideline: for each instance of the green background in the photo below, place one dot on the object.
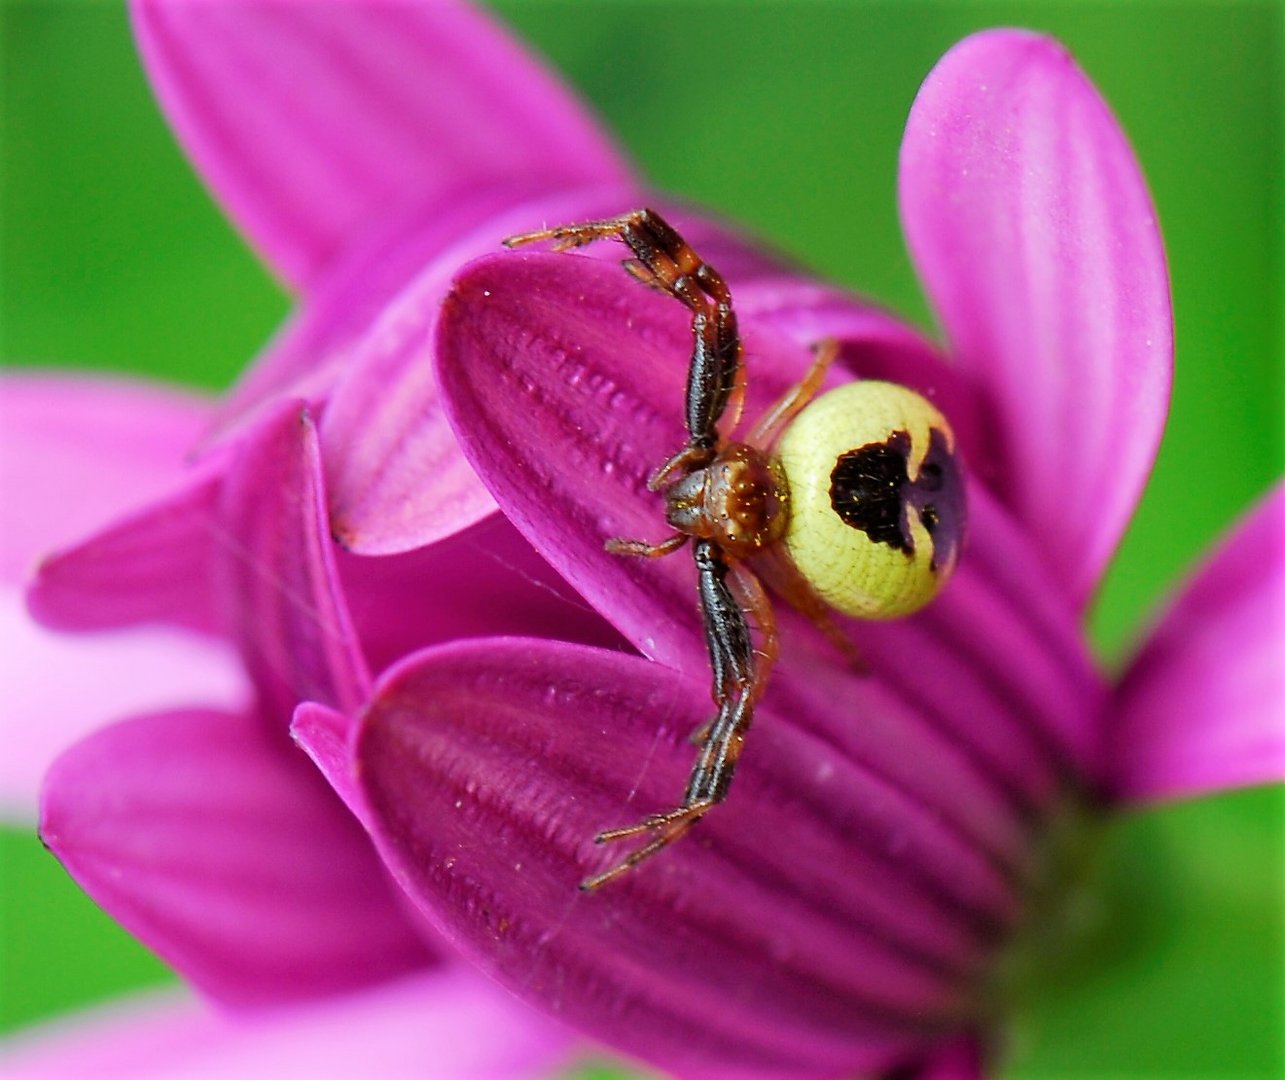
(786, 117)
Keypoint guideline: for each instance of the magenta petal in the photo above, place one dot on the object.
(214, 842)
(957, 1059)
(310, 352)
(1202, 706)
(875, 345)
(312, 121)
(564, 382)
(483, 581)
(1032, 229)
(77, 451)
(567, 391)
(444, 1024)
(155, 564)
(324, 735)
(396, 476)
(278, 562)
(811, 899)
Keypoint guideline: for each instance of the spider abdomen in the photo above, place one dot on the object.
(876, 491)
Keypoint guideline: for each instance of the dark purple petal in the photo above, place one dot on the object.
(78, 451)
(444, 1024)
(1032, 228)
(957, 1059)
(482, 581)
(325, 736)
(563, 379)
(397, 480)
(277, 566)
(565, 385)
(822, 905)
(1202, 706)
(312, 121)
(212, 840)
(155, 564)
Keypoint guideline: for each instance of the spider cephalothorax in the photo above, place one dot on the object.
(853, 500)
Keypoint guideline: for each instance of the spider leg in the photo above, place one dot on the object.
(784, 579)
(686, 461)
(774, 421)
(672, 826)
(729, 593)
(663, 259)
(643, 549)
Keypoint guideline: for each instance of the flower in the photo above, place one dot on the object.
(867, 931)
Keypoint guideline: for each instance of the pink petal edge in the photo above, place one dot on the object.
(1202, 706)
(57, 689)
(1032, 229)
(213, 840)
(77, 450)
(153, 564)
(325, 735)
(288, 611)
(396, 475)
(310, 122)
(444, 1024)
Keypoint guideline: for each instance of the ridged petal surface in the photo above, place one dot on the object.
(566, 388)
(311, 122)
(1033, 232)
(397, 479)
(790, 932)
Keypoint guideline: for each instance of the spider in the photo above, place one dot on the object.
(853, 500)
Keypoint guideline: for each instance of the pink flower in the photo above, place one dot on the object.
(484, 690)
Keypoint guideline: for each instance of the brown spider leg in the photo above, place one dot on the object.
(784, 579)
(686, 461)
(728, 592)
(736, 399)
(672, 826)
(644, 550)
(641, 274)
(674, 266)
(777, 418)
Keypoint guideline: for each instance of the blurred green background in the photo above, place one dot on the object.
(112, 257)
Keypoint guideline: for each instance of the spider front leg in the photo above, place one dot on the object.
(662, 258)
(729, 594)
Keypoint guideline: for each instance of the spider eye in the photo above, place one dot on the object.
(877, 506)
